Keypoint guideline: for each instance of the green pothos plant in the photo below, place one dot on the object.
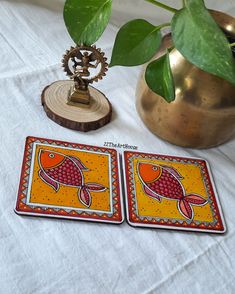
(195, 35)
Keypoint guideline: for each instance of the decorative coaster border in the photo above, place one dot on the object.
(217, 226)
(36, 210)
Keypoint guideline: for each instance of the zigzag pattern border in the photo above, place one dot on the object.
(23, 207)
(216, 225)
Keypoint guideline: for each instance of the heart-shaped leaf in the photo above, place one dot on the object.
(136, 43)
(200, 40)
(159, 78)
(86, 20)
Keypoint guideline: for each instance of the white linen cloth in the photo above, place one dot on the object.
(39, 255)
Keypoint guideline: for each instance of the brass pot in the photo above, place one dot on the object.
(203, 113)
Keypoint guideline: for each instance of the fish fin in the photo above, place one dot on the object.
(78, 162)
(95, 187)
(84, 196)
(195, 199)
(173, 171)
(44, 177)
(151, 193)
(185, 209)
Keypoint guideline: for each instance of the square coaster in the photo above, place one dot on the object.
(68, 180)
(171, 192)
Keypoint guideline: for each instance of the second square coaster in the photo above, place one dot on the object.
(171, 192)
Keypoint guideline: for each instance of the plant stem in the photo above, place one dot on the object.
(167, 24)
(232, 45)
(164, 6)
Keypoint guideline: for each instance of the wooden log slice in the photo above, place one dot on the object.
(82, 117)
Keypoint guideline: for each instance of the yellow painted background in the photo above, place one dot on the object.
(192, 183)
(98, 165)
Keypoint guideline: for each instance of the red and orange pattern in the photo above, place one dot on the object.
(37, 198)
(149, 206)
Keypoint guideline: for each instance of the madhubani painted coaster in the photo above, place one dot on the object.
(69, 180)
(171, 192)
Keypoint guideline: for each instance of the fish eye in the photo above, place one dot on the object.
(51, 155)
(155, 168)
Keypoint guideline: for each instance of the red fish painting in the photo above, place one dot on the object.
(58, 169)
(161, 181)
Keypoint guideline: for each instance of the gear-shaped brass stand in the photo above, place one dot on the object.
(74, 103)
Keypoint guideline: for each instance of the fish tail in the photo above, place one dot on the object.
(84, 192)
(84, 196)
(185, 204)
(195, 199)
(185, 209)
(95, 187)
